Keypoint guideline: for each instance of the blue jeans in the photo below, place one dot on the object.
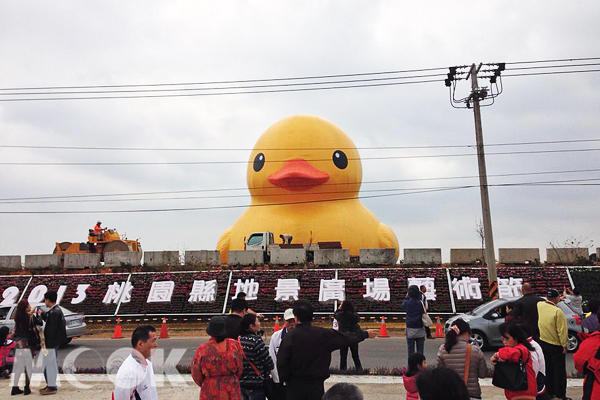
(51, 368)
(253, 394)
(420, 342)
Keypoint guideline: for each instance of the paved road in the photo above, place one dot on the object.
(379, 352)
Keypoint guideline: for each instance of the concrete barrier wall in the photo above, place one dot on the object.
(377, 256)
(422, 256)
(566, 255)
(10, 262)
(518, 256)
(76, 261)
(248, 257)
(202, 257)
(287, 256)
(161, 258)
(40, 261)
(122, 258)
(332, 256)
(466, 256)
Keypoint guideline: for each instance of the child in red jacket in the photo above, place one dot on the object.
(517, 348)
(7, 353)
(416, 363)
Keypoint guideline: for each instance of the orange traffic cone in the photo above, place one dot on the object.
(118, 334)
(164, 333)
(276, 327)
(439, 332)
(383, 329)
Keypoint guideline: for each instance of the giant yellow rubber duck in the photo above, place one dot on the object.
(304, 176)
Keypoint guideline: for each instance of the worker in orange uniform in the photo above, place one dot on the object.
(98, 230)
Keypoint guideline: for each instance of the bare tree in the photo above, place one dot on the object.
(567, 252)
(481, 234)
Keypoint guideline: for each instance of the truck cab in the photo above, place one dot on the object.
(260, 241)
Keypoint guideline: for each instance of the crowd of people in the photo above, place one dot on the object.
(235, 363)
(530, 365)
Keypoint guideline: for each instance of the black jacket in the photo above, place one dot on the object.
(55, 332)
(305, 352)
(525, 310)
(233, 326)
(348, 322)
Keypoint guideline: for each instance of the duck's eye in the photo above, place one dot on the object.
(259, 162)
(339, 159)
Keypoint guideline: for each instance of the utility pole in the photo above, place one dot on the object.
(474, 100)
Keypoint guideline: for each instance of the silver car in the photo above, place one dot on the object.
(485, 319)
(76, 325)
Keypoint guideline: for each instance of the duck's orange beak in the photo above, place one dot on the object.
(298, 175)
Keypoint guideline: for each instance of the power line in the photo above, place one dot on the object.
(232, 81)
(219, 88)
(223, 93)
(278, 87)
(238, 81)
(441, 189)
(552, 73)
(556, 60)
(133, 163)
(290, 148)
(238, 195)
(104, 195)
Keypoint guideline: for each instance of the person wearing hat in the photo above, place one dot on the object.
(218, 364)
(279, 392)
(552, 323)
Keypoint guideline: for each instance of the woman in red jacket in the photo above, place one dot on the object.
(587, 362)
(517, 348)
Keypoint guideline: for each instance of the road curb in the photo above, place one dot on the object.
(187, 378)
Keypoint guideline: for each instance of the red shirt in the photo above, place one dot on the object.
(97, 229)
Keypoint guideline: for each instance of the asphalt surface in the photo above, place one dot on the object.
(378, 352)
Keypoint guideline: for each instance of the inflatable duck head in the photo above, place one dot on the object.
(304, 176)
(302, 159)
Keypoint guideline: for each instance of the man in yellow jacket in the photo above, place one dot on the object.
(553, 340)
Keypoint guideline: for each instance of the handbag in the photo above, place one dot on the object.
(267, 382)
(425, 318)
(511, 375)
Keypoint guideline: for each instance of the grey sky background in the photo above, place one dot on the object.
(70, 43)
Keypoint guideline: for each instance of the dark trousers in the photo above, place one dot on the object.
(253, 394)
(556, 370)
(355, 357)
(428, 332)
(305, 390)
(279, 392)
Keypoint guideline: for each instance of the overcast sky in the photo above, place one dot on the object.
(75, 43)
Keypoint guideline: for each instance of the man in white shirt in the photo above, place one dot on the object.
(289, 322)
(135, 378)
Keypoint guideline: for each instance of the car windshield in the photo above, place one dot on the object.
(4, 312)
(255, 239)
